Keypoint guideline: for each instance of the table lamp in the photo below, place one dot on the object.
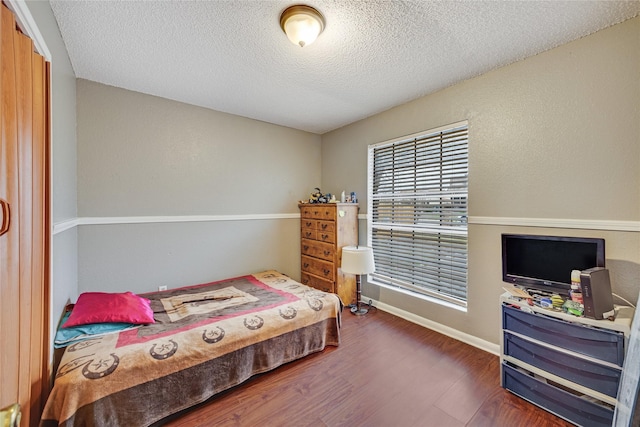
(358, 260)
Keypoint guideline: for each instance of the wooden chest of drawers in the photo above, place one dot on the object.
(324, 230)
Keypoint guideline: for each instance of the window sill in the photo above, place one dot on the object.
(412, 294)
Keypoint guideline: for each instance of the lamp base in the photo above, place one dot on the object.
(359, 310)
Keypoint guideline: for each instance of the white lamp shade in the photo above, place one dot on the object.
(357, 260)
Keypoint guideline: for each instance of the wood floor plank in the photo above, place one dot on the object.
(386, 372)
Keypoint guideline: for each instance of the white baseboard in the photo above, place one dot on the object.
(438, 327)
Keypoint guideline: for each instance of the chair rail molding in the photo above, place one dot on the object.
(59, 227)
(585, 224)
(610, 225)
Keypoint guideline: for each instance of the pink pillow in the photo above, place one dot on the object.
(104, 307)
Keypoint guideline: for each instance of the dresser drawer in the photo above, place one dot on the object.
(555, 400)
(325, 251)
(306, 212)
(321, 236)
(317, 211)
(308, 223)
(308, 233)
(596, 376)
(318, 267)
(598, 343)
(324, 236)
(326, 227)
(318, 283)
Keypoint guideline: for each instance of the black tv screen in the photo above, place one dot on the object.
(546, 262)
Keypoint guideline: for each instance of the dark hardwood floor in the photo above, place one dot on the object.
(387, 372)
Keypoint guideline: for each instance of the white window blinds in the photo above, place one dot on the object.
(417, 206)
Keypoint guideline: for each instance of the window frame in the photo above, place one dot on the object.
(424, 231)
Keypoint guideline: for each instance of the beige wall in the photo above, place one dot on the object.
(144, 156)
(555, 136)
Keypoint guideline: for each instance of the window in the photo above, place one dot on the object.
(417, 206)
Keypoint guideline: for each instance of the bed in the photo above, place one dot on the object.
(204, 339)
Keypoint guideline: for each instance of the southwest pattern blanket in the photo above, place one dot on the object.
(206, 339)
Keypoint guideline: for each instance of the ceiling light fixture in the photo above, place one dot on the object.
(302, 24)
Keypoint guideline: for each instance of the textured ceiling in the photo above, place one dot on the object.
(232, 56)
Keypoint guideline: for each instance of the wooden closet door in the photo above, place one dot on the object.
(24, 247)
(9, 241)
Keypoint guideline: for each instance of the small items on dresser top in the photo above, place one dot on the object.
(546, 300)
(319, 197)
(539, 301)
(588, 294)
(621, 322)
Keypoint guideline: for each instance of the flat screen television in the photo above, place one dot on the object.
(545, 262)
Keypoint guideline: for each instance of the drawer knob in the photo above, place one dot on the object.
(325, 236)
(308, 234)
(306, 265)
(326, 253)
(309, 224)
(326, 272)
(305, 247)
(324, 226)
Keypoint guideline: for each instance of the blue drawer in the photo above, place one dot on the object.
(598, 343)
(566, 405)
(590, 374)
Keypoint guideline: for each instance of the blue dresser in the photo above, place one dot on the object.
(567, 365)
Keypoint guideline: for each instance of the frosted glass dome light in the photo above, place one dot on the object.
(302, 24)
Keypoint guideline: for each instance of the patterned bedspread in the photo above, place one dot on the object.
(206, 339)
